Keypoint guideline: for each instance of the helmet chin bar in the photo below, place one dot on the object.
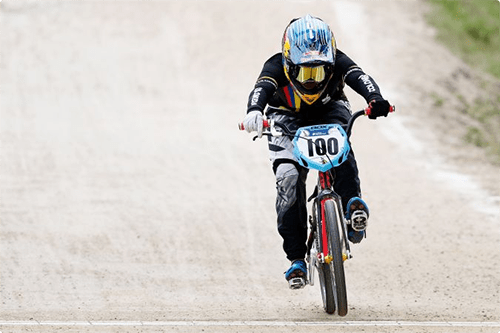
(307, 98)
(309, 91)
(310, 84)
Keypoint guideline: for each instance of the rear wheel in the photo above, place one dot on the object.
(334, 291)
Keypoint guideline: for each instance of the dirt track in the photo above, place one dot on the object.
(127, 193)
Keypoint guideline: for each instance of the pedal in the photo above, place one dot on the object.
(359, 220)
(297, 283)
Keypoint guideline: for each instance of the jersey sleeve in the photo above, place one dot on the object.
(266, 84)
(358, 80)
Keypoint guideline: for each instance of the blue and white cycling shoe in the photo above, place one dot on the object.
(296, 275)
(357, 214)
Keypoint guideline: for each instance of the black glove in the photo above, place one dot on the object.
(379, 108)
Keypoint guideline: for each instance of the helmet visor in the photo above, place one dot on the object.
(316, 74)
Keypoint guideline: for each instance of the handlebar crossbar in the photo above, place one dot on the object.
(347, 127)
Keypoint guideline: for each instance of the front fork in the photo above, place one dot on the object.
(317, 243)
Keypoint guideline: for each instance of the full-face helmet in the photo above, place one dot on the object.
(308, 49)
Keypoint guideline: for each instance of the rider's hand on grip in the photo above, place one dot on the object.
(378, 108)
(254, 122)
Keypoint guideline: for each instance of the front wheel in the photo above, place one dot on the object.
(332, 276)
(327, 283)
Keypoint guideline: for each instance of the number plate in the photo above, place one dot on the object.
(321, 147)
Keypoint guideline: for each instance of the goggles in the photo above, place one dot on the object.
(316, 74)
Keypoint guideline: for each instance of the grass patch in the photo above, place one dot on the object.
(470, 28)
(486, 111)
(438, 100)
(474, 136)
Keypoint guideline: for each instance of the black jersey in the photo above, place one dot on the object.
(274, 89)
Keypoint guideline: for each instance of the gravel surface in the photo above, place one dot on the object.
(128, 195)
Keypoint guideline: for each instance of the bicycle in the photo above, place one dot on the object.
(322, 148)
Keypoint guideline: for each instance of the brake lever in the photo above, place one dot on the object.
(274, 132)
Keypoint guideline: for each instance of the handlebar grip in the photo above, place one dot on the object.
(241, 127)
(368, 110)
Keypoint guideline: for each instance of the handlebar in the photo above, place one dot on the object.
(347, 127)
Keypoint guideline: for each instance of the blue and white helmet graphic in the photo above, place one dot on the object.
(309, 40)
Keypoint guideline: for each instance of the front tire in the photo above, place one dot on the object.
(327, 283)
(333, 273)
